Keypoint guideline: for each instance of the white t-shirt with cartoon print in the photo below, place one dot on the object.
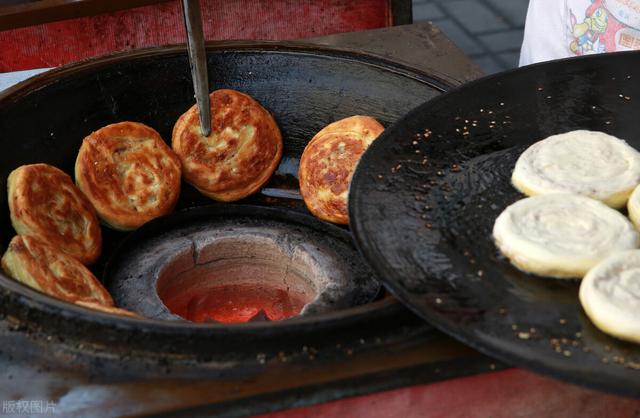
(564, 28)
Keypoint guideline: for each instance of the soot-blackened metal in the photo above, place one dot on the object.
(425, 224)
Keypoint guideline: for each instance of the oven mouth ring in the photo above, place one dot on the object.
(23, 302)
(162, 269)
(230, 212)
(250, 278)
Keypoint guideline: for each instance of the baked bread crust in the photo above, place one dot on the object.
(51, 271)
(129, 174)
(108, 309)
(241, 153)
(328, 162)
(45, 203)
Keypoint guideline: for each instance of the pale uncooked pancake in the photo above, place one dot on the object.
(588, 163)
(561, 235)
(610, 295)
(633, 207)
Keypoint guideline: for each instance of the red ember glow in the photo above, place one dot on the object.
(234, 303)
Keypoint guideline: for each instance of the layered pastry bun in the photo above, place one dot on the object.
(328, 162)
(129, 174)
(589, 163)
(240, 154)
(609, 295)
(562, 235)
(45, 203)
(633, 207)
(51, 271)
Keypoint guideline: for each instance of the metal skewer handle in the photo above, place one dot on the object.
(198, 61)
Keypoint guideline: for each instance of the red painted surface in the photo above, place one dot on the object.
(58, 43)
(511, 393)
(236, 303)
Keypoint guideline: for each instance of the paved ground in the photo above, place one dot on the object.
(488, 31)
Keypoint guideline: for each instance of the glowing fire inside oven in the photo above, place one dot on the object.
(237, 303)
(241, 279)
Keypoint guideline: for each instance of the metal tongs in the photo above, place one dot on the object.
(198, 61)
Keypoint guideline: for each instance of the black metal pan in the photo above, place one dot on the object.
(426, 194)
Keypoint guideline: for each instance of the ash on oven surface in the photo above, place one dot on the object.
(210, 250)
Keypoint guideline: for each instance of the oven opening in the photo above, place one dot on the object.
(238, 268)
(242, 279)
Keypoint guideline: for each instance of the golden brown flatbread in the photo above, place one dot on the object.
(108, 309)
(51, 271)
(241, 153)
(129, 174)
(328, 162)
(46, 204)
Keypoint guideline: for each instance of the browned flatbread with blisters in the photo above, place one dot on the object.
(129, 174)
(51, 271)
(241, 153)
(45, 203)
(328, 162)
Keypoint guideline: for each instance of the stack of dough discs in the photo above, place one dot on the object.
(328, 162)
(239, 155)
(610, 295)
(129, 174)
(561, 235)
(46, 204)
(51, 271)
(589, 163)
